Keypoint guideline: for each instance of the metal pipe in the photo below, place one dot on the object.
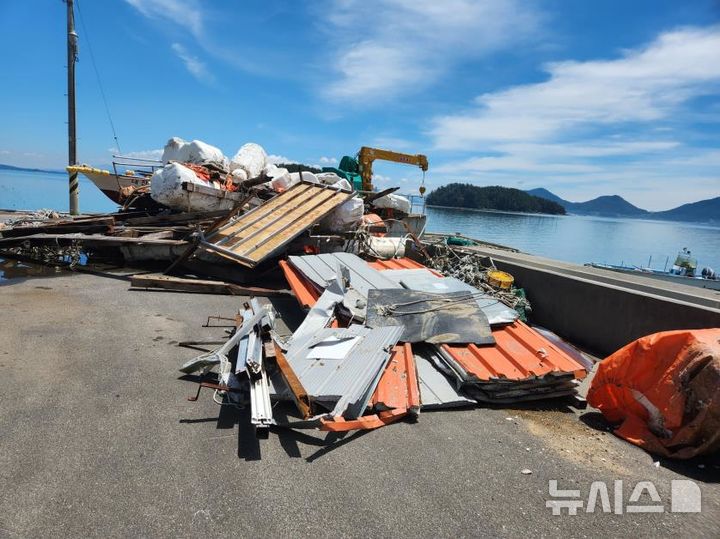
(72, 37)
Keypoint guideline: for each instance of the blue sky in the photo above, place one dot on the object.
(583, 97)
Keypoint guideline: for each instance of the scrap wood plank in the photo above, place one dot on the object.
(288, 212)
(256, 214)
(179, 284)
(263, 231)
(86, 239)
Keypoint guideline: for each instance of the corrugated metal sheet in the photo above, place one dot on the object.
(398, 386)
(320, 269)
(424, 280)
(398, 263)
(436, 389)
(263, 231)
(352, 380)
(520, 353)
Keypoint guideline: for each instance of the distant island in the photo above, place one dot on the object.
(23, 169)
(465, 195)
(704, 211)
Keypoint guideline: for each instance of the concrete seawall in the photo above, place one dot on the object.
(604, 310)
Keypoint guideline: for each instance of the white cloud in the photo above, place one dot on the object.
(643, 86)
(403, 45)
(328, 160)
(625, 126)
(153, 155)
(185, 13)
(277, 159)
(193, 64)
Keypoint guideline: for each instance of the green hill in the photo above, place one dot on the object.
(465, 195)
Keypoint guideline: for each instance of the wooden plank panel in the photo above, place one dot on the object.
(295, 207)
(260, 211)
(265, 248)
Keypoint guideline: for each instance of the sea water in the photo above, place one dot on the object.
(583, 239)
(564, 237)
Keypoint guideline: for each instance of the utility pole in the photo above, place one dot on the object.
(72, 39)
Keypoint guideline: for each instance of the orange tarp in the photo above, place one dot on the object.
(664, 390)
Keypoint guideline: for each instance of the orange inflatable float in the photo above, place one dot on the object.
(664, 391)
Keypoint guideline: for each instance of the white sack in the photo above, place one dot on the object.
(385, 247)
(306, 176)
(200, 152)
(238, 175)
(328, 178)
(346, 216)
(251, 158)
(393, 201)
(166, 188)
(176, 149)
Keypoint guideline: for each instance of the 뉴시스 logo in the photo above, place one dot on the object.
(685, 497)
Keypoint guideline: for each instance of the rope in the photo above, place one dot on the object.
(97, 76)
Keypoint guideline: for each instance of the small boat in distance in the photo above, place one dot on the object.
(683, 271)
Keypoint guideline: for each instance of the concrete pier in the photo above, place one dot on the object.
(98, 439)
(603, 310)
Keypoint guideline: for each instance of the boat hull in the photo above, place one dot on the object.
(711, 284)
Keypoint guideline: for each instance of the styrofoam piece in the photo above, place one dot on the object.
(166, 188)
(394, 202)
(176, 149)
(251, 157)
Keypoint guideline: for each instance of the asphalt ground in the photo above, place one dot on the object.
(98, 439)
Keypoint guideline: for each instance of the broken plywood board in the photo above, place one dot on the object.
(263, 231)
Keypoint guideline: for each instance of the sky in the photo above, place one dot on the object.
(584, 98)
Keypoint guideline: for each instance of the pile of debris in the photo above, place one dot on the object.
(381, 341)
(393, 325)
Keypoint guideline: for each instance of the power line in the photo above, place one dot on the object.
(97, 76)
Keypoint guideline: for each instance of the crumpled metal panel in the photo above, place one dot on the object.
(351, 381)
(320, 269)
(516, 345)
(424, 280)
(436, 389)
(398, 387)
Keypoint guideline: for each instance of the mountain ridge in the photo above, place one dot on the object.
(707, 211)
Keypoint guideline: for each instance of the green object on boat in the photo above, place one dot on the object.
(456, 240)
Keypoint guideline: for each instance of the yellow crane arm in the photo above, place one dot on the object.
(366, 156)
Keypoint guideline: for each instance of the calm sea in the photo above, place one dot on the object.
(570, 238)
(584, 239)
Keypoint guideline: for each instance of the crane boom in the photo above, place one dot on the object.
(366, 156)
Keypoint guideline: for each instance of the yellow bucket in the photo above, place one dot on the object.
(500, 279)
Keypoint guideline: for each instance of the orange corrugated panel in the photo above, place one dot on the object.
(396, 263)
(519, 353)
(304, 291)
(398, 386)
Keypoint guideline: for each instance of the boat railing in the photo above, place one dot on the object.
(417, 204)
(135, 166)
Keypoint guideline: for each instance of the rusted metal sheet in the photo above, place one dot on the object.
(265, 230)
